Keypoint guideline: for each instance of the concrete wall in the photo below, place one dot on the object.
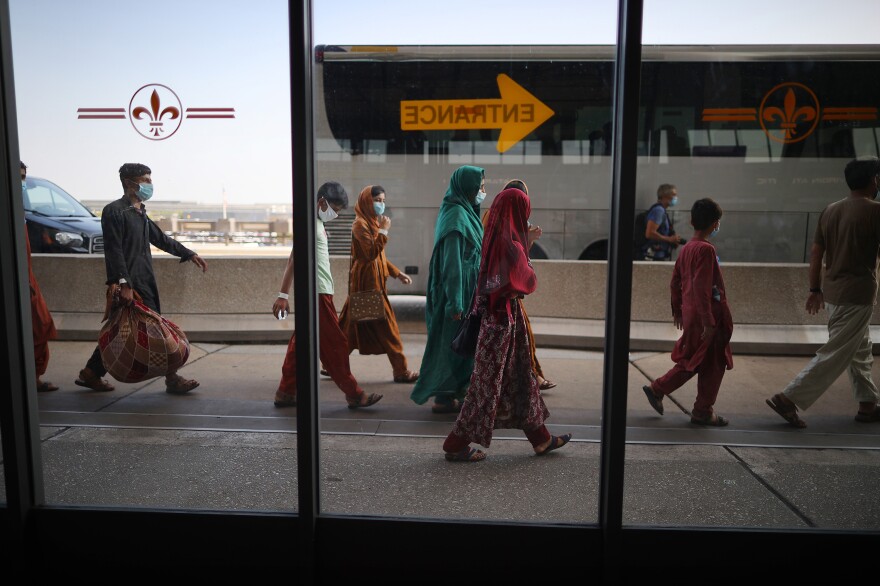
(758, 293)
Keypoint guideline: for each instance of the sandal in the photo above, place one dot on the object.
(789, 413)
(713, 420)
(556, 442)
(180, 386)
(453, 407)
(868, 417)
(547, 384)
(468, 454)
(90, 380)
(407, 377)
(46, 387)
(655, 401)
(285, 400)
(372, 399)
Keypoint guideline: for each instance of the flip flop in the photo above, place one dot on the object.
(181, 386)
(547, 384)
(554, 443)
(453, 407)
(713, 420)
(656, 402)
(372, 399)
(46, 387)
(408, 377)
(468, 454)
(786, 412)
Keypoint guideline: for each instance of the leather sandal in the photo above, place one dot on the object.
(372, 399)
(407, 377)
(90, 380)
(180, 386)
(787, 412)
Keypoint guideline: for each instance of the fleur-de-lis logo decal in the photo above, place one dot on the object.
(162, 118)
(154, 113)
(789, 112)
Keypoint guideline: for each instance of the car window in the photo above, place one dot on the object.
(48, 199)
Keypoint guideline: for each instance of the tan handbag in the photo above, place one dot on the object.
(364, 305)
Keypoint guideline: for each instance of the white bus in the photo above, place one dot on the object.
(766, 131)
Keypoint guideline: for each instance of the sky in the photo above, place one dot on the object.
(233, 54)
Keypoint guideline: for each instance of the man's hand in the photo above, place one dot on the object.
(280, 308)
(126, 293)
(404, 278)
(673, 240)
(199, 262)
(815, 302)
(384, 222)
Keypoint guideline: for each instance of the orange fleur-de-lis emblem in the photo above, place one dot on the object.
(789, 112)
(155, 114)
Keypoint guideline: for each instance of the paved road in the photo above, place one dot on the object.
(225, 446)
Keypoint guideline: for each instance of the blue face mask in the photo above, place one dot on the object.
(24, 186)
(674, 202)
(145, 191)
(379, 207)
(481, 195)
(715, 231)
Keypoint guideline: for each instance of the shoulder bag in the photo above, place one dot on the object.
(465, 341)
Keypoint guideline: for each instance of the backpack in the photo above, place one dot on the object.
(639, 240)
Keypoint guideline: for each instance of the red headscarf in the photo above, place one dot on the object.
(505, 269)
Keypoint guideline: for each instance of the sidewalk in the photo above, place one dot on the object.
(225, 446)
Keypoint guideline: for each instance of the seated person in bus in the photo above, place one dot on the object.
(659, 233)
(700, 310)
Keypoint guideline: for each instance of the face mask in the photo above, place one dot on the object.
(328, 214)
(23, 186)
(674, 202)
(481, 195)
(715, 231)
(379, 207)
(145, 191)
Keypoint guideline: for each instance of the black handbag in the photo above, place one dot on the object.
(465, 341)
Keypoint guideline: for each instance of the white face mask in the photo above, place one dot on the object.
(481, 195)
(328, 214)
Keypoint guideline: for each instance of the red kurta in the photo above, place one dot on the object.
(695, 279)
(41, 320)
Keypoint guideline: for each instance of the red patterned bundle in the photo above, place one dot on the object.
(137, 344)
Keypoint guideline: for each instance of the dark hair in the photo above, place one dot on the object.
(704, 213)
(665, 189)
(517, 184)
(859, 172)
(334, 193)
(23, 166)
(377, 191)
(132, 170)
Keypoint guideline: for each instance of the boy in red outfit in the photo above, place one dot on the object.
(699, 308)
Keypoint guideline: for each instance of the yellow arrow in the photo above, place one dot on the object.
(517, 113)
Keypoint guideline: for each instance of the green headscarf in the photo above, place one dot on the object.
(458, 212)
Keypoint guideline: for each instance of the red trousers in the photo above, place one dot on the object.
(333, 350)
(455, 443)
(709, 374)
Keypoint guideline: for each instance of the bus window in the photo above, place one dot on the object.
(865, 142)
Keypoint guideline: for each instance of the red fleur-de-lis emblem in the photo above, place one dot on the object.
(155, 111)
(155, 115)
(789, 112)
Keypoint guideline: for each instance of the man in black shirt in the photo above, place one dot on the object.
(128, 234)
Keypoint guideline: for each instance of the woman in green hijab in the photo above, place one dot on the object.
(455, 262)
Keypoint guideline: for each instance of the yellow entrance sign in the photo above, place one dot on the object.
(516, 113)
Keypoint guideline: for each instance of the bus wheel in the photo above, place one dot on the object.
(596, 250)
